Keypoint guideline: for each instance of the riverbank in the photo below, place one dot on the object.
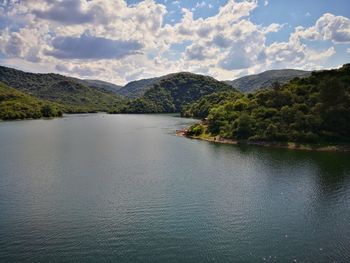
(283, 145)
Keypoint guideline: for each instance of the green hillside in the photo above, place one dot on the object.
(18, 105)
(266, 79)
(75, 96)
(136, 89)
(250, 83)
(99, 85)
(313, 109)
(170, 94)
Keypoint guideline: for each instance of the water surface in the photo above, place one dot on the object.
(124, 188)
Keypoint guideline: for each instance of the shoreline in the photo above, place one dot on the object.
(279, 145)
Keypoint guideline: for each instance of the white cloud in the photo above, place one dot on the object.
(123, 42)
(200, 4)
(91, 47)
(295, 53)
(199, 52)
(273, 28)
(329, 27)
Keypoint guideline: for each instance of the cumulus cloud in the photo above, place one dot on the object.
(14, 45)
(198, 52)
(112, 40)
(237, 58)
(273, 28)
(227, 16)
(66, 12)
(76, 70)
(221, 41)
(329, 27)
(24, 43)
(294, 52)
(91, 47)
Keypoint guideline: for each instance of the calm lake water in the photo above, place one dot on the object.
(124, 188)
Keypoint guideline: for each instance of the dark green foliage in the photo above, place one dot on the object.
(196, 130)
(312, 109)
(201, 107)
(171, 94)
(75, 96)
(18, 105)
(48, 110)
(243, 126)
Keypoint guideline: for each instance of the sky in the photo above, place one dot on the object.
(124, 40)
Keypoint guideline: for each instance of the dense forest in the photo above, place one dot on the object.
(171, 94)
(72, 94)
(313, 109)
(15, 104)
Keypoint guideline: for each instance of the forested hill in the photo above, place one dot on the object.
(75, 96)
(250, 83)
(15, 104)
(312, 109)
(137, 88)
(99, 84)
(266, 79)
(170, 94)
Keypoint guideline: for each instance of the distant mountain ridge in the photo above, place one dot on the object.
(249, 83)
(266, 79)
(137, 88)
(99, 84)
(168, 93)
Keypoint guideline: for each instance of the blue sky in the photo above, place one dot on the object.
(120, 41)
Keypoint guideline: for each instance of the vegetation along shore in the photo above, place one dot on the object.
(311, 113)
(271, 144)
(308, 112)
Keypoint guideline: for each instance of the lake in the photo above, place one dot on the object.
(124, 188)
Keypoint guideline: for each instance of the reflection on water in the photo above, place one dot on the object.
(330, 168)
(124, 188)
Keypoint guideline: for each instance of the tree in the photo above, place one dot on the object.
(244, 126)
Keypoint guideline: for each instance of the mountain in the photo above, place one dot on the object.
(99, 84)
(266, 79)
(315, 109)
(75, 96)
(250, 83)
(170, 93)
(137, 88)
(15, 104)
